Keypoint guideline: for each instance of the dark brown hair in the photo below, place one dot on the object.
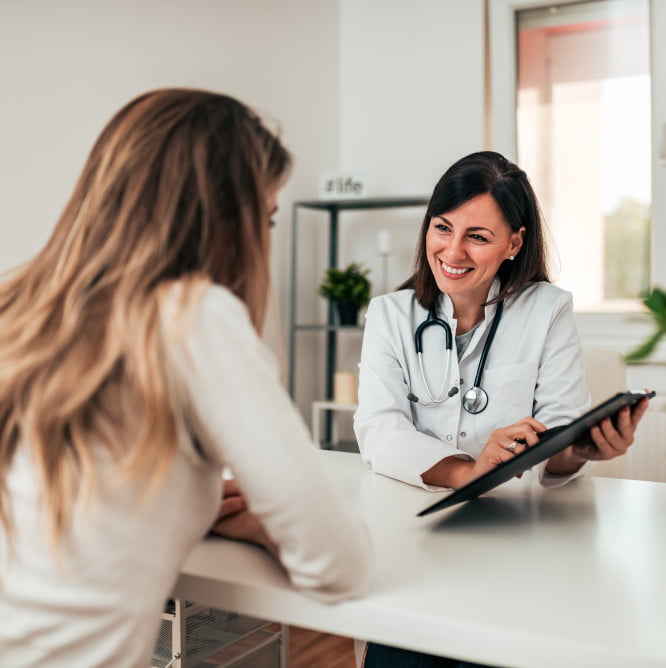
(478, 174)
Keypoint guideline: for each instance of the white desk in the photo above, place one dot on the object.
(524, 577)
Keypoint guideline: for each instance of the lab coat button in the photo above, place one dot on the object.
(463, 434)
(449, 437)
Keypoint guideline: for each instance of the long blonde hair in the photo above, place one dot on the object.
(175, 188)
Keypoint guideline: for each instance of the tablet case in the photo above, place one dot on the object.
(550, 442)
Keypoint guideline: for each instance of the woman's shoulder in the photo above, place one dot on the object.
(195, 290)
(194, 302)
(199, 319)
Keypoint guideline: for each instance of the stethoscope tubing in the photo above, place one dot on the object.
(475, 399)
(439, 399)
(489, 342)
(431, 320)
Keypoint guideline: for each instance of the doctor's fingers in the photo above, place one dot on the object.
(610, 440)
(621, 434)
(526, 431)
(638, 412)
(515, 446)
(504, 454)
(491, 456)
(517, 436)
(526, 436)
(601, 447)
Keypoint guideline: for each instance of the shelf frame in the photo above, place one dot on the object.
(332, 207)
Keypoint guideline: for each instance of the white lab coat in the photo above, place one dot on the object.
(534, 367)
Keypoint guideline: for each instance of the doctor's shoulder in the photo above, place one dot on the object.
(540, 297)
(395, 309)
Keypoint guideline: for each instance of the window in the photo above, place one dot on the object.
(590, 130)
(583, 136)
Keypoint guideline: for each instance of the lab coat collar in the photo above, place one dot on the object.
(445, 305)
(489, 311)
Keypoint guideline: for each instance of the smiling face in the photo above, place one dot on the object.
(465, 248)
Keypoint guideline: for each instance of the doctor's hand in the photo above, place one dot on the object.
(505, 443)
(606, 441)
(235, 521)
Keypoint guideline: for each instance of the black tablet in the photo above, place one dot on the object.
(550, 442)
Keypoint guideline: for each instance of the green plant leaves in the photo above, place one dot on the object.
(346, 285)
(656, 303)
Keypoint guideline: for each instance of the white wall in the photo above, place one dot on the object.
(67, 66)
(411, 92)
(411, 103)
(391, 88)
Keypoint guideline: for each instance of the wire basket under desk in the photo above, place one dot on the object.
(196, 636)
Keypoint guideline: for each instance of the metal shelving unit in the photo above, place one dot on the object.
(330, 328)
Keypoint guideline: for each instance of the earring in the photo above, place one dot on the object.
(512, 257)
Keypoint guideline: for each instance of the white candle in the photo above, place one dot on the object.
(384, 242)
(345, 387)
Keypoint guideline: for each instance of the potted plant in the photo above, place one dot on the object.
(656, 303)
(348, 289)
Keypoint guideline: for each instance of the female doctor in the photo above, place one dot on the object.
(476, 353)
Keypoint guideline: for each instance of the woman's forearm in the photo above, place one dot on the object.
(453, 472)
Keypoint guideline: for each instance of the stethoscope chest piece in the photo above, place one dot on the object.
(475, 400)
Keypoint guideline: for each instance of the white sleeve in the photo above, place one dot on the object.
(561, 393)
(243, 418)
(387, 436)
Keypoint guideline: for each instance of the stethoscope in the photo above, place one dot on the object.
(475, 399)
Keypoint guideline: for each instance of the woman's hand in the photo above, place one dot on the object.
(505, 443)
(607, 441)
(234, 520)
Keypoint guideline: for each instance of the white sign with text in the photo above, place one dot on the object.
(341, 185)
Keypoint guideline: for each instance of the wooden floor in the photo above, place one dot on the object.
(310, 649)
(307, 649)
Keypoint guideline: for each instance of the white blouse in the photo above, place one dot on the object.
(98, 601)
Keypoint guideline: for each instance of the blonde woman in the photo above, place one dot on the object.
(132, 372)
